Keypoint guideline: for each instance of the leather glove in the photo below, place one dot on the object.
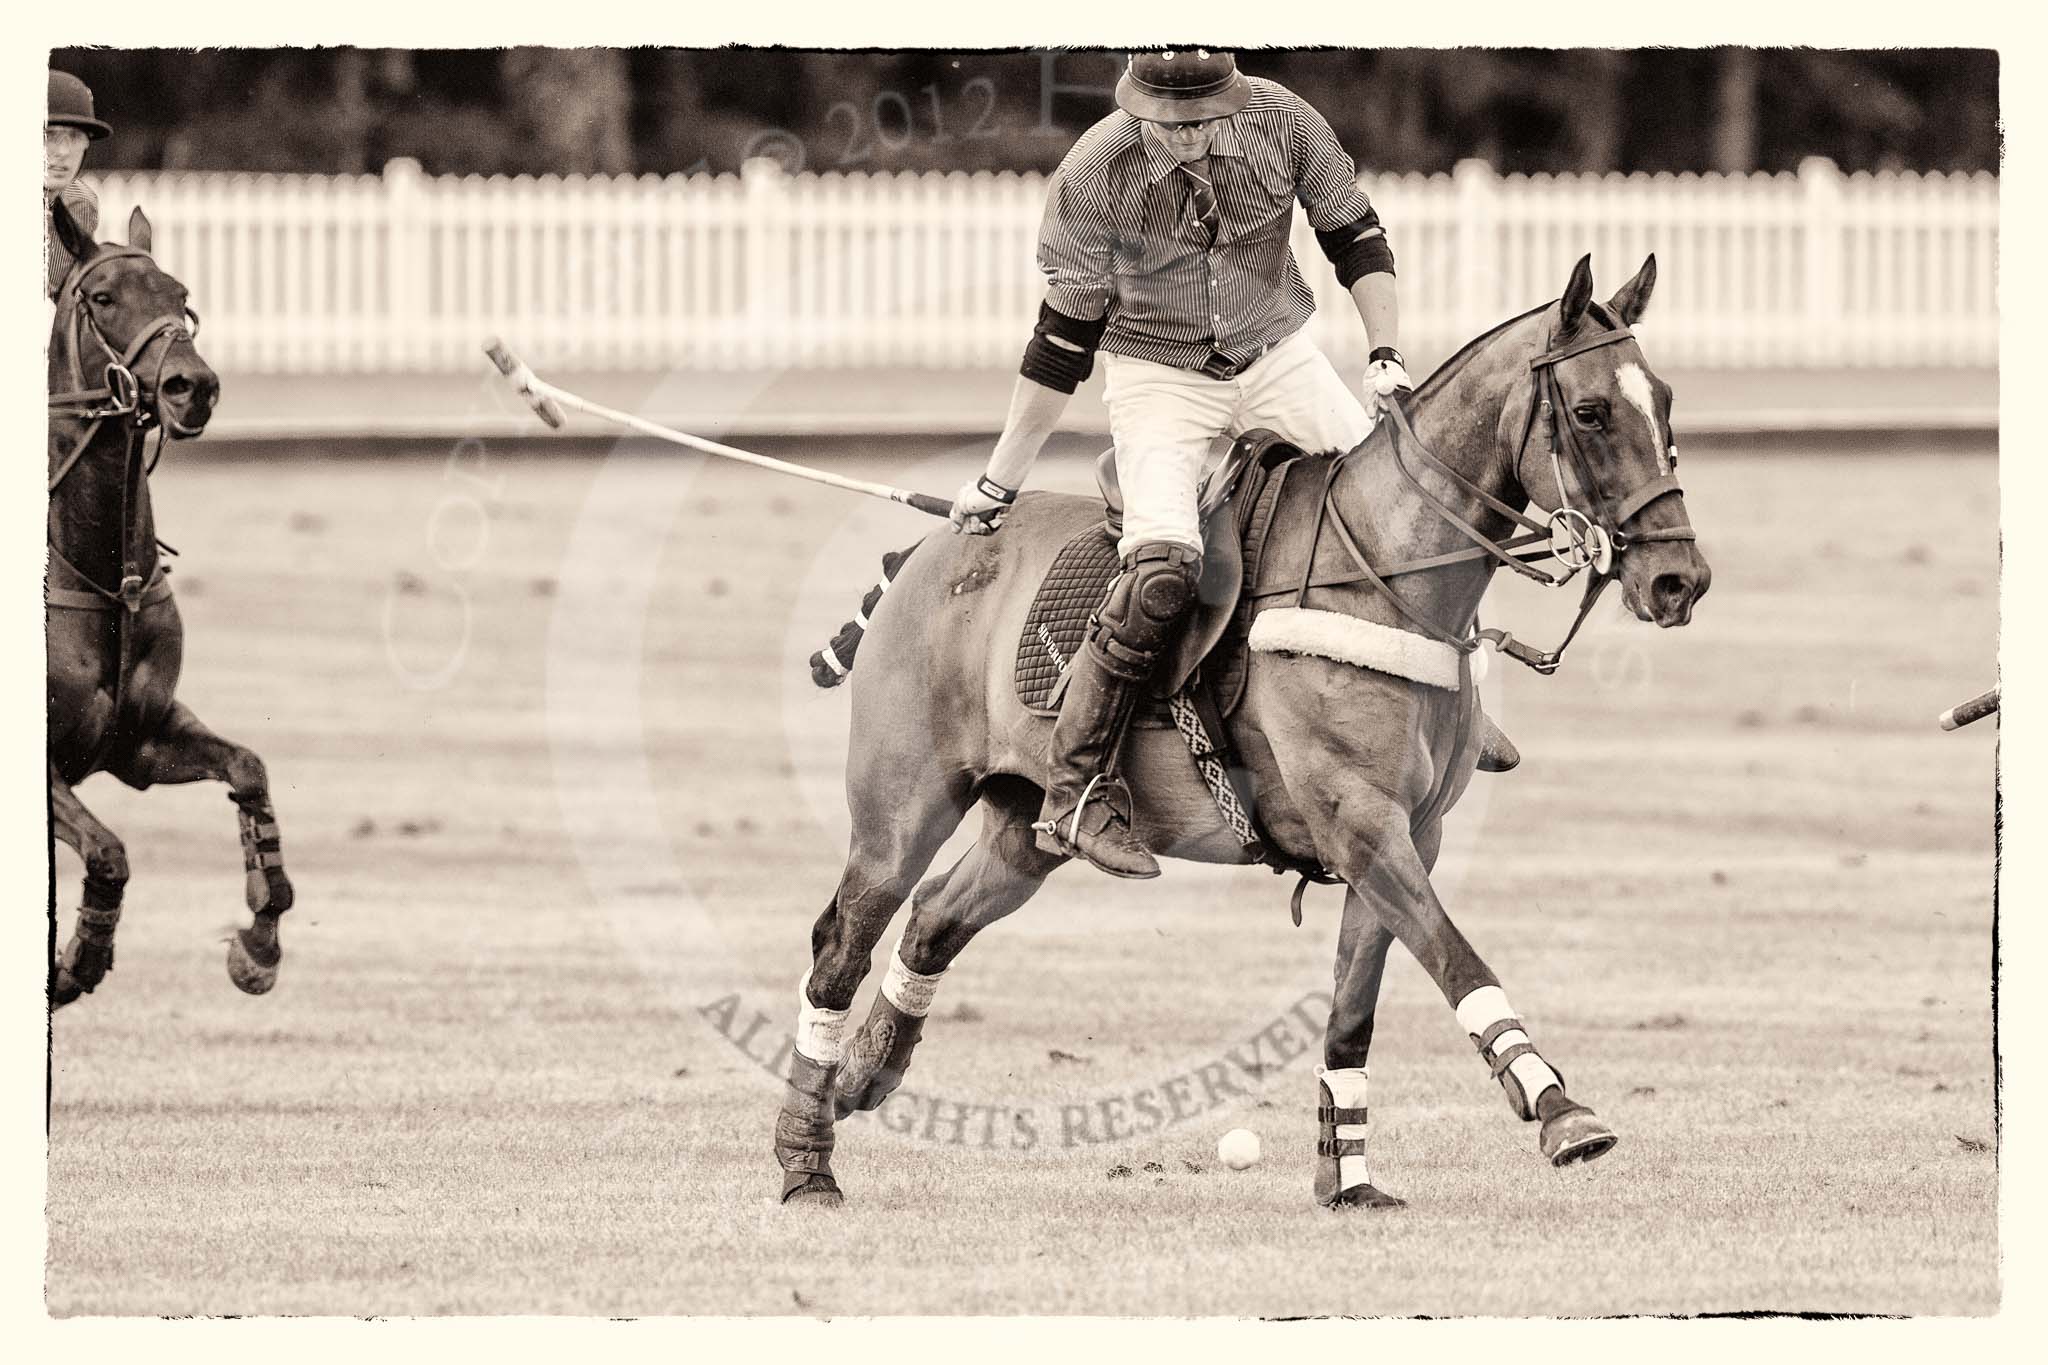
(1386, 375)
(979, 506)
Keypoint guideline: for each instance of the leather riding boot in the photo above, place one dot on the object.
(1088, 809)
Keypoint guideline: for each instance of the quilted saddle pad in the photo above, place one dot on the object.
(1057, 624)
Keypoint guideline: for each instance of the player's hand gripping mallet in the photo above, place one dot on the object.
(548, 402)
(1975, 709)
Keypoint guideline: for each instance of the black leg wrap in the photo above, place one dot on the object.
(877, 1058)
(1497, 1063)
(803, 1133)
(1329, 1186)
(90, 955)
(266, 887)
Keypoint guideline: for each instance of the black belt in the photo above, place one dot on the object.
(1221, 366)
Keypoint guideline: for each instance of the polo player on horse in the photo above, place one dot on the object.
(1165, 243)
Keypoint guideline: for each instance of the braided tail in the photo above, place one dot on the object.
(830, 665)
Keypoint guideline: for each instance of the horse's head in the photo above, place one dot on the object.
(118, 309)
(1607, 452)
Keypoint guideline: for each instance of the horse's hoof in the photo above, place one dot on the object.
(252, 962)
(1366, 1197)
(816, 1189)
(1575, 1133)
(65, 990)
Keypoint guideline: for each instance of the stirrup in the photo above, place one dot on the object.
(1072, 838)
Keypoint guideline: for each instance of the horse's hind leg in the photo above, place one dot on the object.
(183, 750)
(1002, 871)
(89, 956)
(892, 845)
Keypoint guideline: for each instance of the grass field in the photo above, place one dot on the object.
(561, 806)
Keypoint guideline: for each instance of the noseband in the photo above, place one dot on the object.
(1577, 539)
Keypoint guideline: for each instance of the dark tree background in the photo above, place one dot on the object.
(660, 110)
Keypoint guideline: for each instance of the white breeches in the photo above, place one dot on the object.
(1163, 420)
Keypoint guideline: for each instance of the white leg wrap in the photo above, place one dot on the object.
(1480, 1011)
(909, 991)
(820, 1033)
(1347, 1091)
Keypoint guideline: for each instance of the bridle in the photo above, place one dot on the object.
(120, 397)
(1577, 539)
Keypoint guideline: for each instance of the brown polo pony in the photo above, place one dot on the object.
(1354, 768)
(114, 641)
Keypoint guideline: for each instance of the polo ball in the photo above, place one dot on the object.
(1238, 1148)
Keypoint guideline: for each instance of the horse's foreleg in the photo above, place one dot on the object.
(892, 846)
(183, 750)
(89, 956)
(995, 877)
(1343, 1179)
(1382, 864)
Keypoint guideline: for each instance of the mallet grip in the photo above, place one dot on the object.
(1975, 709)
(925, 502)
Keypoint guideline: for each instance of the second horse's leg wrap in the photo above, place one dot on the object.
(266, 887)
(90, 955)
(1504, 1045)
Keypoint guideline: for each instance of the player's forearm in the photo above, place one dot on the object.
(1035, 413)
(1378, 308)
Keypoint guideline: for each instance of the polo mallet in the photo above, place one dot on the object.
(548, 402)
(1971, 711)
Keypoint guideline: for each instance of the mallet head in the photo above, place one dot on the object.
(514, 369)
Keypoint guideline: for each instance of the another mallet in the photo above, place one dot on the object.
(1971, 711)
(548, 402)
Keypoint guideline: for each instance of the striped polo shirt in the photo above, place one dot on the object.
(84, 207)
(1120, 236)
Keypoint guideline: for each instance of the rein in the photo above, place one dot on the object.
(1575, 539)
(120, 398)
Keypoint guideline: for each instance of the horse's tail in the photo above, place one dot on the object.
(830, 665)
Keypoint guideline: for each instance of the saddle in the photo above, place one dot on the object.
(1078, 582)
(1201, 681)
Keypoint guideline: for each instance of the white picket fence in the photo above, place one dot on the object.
(404, 272)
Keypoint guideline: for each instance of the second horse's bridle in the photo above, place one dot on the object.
(121, 395)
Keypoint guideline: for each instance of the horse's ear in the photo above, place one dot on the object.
(1633, 298)
(69, 233)
(1577, 295)
(138, 229)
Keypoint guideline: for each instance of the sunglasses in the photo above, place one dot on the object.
(1190, 123)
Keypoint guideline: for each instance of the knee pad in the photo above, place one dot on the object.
(1152, 594)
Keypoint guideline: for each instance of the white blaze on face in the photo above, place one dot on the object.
(1635, 386)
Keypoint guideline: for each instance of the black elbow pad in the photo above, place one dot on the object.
(1059, 367)
(1358, 249)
